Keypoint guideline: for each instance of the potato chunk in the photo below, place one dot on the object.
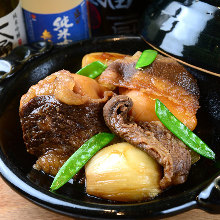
(144, 108)
(104, 57)
(122, 172)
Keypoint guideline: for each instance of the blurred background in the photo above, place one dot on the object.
(66, 21)
(186, 29)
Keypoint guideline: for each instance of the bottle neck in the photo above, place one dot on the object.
(7, 6)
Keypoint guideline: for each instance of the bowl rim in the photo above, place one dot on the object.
(179, 60)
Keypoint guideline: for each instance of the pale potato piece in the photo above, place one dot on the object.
(122, 172)
(144, 107)
(104, 57)
(87, 86)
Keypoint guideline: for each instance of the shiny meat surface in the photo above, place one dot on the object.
(51, 161)
(52, 129)
(58, 115)
(164, 79)
(153, 138)
(68, 88)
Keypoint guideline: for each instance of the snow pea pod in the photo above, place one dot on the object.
(182, 132)
(147, 57)
(92, 70)
(80, 158)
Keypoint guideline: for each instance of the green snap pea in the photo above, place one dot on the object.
(80, 158)
(92, 70)
(147, 57)
(182, 132)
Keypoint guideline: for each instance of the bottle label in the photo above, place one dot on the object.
(60, 28)
(12, 31)
(114, 5)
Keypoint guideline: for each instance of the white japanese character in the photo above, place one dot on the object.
(61, 23)
(122, 3)
(113, 4)
(63, 34)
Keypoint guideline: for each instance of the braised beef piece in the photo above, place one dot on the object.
(59, 114)
(163, 70)
(53, 130)
(152, 137)
(164, 79)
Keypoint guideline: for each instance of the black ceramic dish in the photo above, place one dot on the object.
(202, 189)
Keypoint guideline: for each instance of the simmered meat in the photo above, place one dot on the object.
(68, 88)
(164, 79)
(58, 115)
(51, 161)
(152, 138)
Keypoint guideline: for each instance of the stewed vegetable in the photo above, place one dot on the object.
(92, 70)
(182, 132)
(79, 158)
(146, 58)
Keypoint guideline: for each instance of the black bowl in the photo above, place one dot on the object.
(71, 199)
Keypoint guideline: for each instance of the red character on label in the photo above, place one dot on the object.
(20, 41)
(33, 17)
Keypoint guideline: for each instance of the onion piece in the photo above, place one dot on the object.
(122, 172)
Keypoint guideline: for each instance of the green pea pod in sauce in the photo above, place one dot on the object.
(147, 57)
(182, 132)
(80, 158)
(92, 70)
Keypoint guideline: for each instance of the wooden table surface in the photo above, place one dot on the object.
(15, 207)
